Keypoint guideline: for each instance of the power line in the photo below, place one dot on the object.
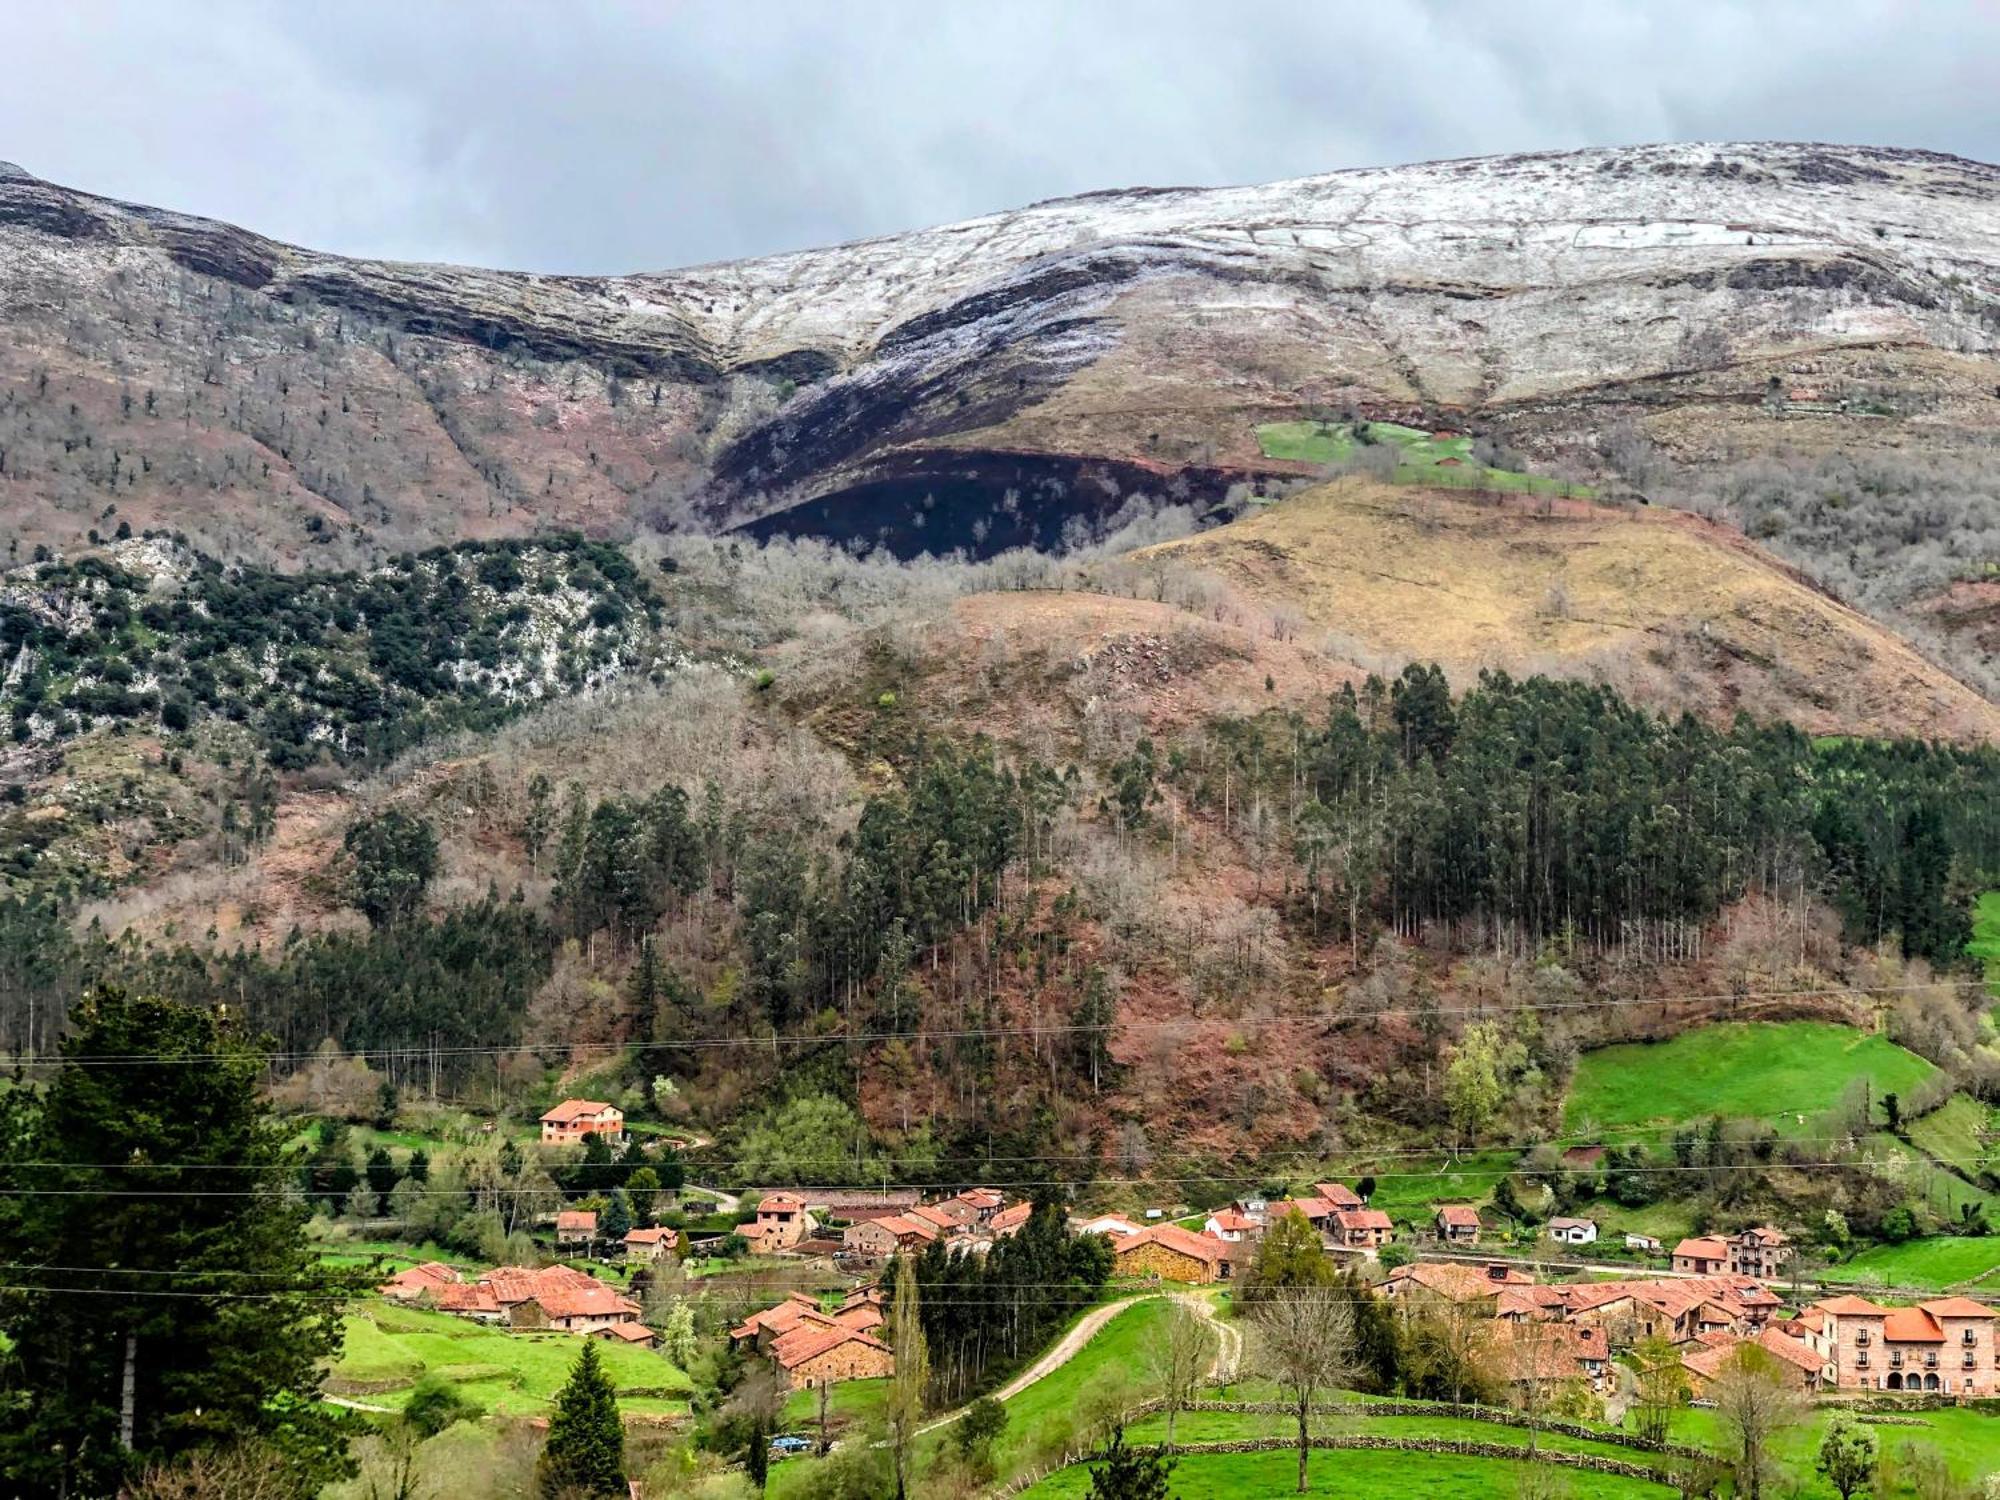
(1053, 1028)
(892, 1184)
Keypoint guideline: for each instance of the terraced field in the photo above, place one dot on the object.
(507, 1374)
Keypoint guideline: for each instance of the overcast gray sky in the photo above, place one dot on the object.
(609, 136)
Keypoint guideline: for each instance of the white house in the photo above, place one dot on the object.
(1573, 1231)
(1643, 1242)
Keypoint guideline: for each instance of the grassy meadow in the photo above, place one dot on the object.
(1421, 458)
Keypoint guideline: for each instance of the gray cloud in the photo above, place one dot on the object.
(612, 136)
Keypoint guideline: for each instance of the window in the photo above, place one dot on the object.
(1861, 1360)
(1861, 1337)
(1968, 1337)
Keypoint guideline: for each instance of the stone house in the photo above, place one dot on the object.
(1458, 1224)
(1169, 1253)
(782, 1222)
(1943, 1345)
(1760, 1252)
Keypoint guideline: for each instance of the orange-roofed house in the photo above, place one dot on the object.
(408, 1285)
(1339, 1195)
(782, 1222)
(634, 1333)
(648, 1246)
(576, 1309)
(1011, 1220)
(770, 1322)
(1458, 1224)
(1798, 1363)
(1944, 1345)
(576, 1227)
(1542, 1353)
(1231, 1227)
(476, 1302)
(1703, 1256)
(1361, 1228)
(573, 1119)
(1168, 1252)
(1454, 1283)
(878, 1239)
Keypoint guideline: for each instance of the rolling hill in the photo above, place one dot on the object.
(1673, 609)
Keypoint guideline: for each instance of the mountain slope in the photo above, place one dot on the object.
(1139, 334)
(1674, 610)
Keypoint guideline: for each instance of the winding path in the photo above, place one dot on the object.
(1054, 1358)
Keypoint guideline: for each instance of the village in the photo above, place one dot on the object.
(1714, 1294)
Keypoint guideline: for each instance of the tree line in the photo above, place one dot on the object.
(1545, 809)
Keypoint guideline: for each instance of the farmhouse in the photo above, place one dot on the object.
(1170, 1253)
(476, 1302)
(1760, 1252)
(573, 1119)
(1453, 1283)
(1360, 1228)
(1550, 1353)
(1573, 1231)
(782, 1222)
(1458, 1224)
(648, 1246)
(1798, 1363)
(1010, 1221)
(1231, 1227)
(549, 1297)
(576, 1227)
(812, 1355)
(849, 1204)
(1643, 1242)
(1339, 1195)
(628, 1333)
(883, 1237)
(411, 1284)
(1703, 1256)
(1945, 1344)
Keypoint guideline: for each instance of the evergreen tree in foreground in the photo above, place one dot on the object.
(1129, 1473)
(585, 1453)
(102, 1173)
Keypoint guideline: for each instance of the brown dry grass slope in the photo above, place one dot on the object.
(1676, 611)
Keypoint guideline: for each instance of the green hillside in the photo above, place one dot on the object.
(1781, 1071)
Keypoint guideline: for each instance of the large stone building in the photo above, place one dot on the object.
(1944, 1345)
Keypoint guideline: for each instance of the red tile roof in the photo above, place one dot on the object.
(574, 1109)
(595, 1301)
(1851, 1307)
(1338, 1194)
(419, 1278)
(936, 1217)
(772, 1201)
(1957, 1307)
(1362, 1218)
(1172, 1237)
(1704, 1248)
(631, 1333)
(809, 1342)
(649, 1236)
(1012, 1218)
(583, 1218)
(1911, 1325)
(470, 1301)
(1459, 1216)
(1230, 1221)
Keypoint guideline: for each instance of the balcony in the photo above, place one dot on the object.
(1862, 1338)
(1861, 1360)
(1896, 1359)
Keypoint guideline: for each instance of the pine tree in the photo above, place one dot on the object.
(585, 1452)
(207, 1367)
(1128, 1474)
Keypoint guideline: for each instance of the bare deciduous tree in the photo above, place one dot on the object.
(1754, 1404)
(1305, 1342)
(1178, 1359)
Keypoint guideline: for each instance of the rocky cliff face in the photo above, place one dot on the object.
(272, 399)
